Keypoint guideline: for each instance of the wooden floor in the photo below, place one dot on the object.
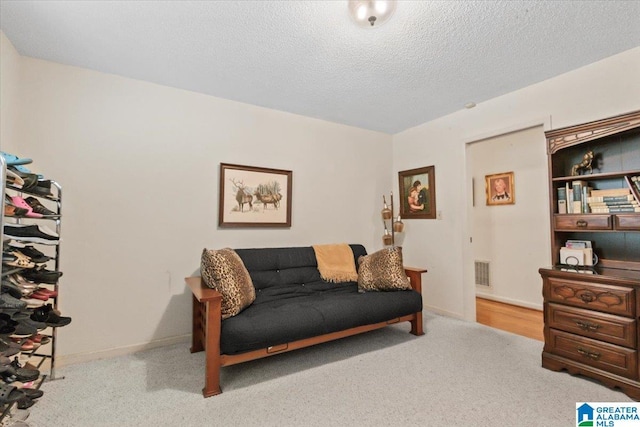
(511, 318)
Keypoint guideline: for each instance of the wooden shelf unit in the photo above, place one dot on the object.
(591, 313)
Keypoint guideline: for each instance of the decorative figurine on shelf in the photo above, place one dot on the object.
(585, 164)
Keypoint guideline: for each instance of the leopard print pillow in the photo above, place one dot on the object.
(382, 271)
(224, 271)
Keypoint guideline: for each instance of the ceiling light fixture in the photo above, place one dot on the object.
(371, 13)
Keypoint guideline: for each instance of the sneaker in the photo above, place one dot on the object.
(48, 315)
(42, 275)
(39, 207)
(31, 233)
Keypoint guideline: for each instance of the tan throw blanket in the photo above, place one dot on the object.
(336, 263)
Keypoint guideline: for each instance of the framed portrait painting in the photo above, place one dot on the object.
(418, 193)
(254, 197)
(500, 189)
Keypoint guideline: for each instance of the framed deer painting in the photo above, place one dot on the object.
(254, 197)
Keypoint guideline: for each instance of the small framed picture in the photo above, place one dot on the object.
(254, 197)
(418, 193)
(500, 189)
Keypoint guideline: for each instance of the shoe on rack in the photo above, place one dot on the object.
(16, 259)
(48, 315)
(28, 327)
(13, 160)
(13, 211)
(43, 294)
(14, 179)
(22, 203)
(40, 339)
(10, 394)
(25, 402)
(9, 302)
(42, 188)
(42, 275)
(18, 314)
(8, 348)
(39, 296)
(7, 327)
(35, 255)
(20, 281)
(23, 373)
(11, 289)
(31, 233)
(26, 344)
(33, 393)
(39, 207)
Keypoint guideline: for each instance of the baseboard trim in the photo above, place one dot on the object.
(509, 301)
(444, 312)
(72, 359)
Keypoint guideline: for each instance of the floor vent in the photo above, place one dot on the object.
(482, 273)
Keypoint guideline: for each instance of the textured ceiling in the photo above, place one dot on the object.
(308, 57)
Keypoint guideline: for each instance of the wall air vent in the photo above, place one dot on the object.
(482, 273)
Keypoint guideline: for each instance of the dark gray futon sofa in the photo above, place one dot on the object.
(294, 308)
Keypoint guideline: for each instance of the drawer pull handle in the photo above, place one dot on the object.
(587, 297)
(589, 354)
(581, 223)
(587, 326)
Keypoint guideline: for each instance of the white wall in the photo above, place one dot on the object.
(599, 90)
(513, 238)
(9, 84)
(139, 167)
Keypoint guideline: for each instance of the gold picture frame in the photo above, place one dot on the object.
(500, 189)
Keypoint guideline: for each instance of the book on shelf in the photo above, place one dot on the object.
(616, 209)
(607, 199)
(569, 191)
(586, 191)
(621, 204)
(576, 187)
(562, 200)
(611, 192)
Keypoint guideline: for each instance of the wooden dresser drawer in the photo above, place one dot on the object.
(591, 324)
(609, 357)
(627, 222)
(582, 222)
(609, 299)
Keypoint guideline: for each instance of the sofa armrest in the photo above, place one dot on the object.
(415, 277)
(205, 334)
(200, 291)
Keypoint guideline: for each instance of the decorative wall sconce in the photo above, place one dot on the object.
(396, 226)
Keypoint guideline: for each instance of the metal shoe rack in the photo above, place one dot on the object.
(44, 357)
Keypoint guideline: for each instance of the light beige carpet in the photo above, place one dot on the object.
(458, 374)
